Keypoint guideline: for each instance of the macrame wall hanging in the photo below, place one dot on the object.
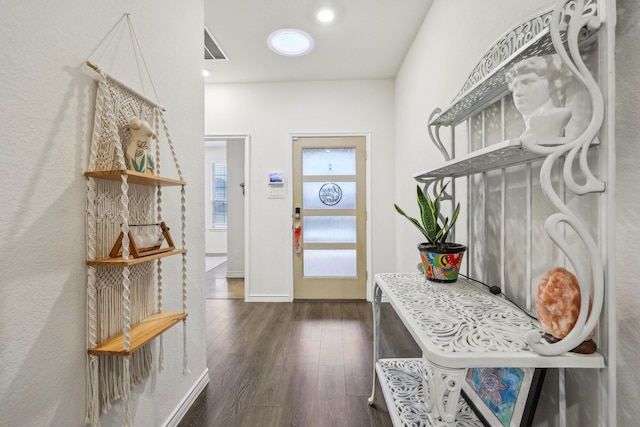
(124, 196)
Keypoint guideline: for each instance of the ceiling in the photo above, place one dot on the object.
(367, 40)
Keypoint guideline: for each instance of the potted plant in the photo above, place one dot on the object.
(440, 260)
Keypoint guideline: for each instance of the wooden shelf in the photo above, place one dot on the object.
(141, 333)
(135, 178)
(132, 261)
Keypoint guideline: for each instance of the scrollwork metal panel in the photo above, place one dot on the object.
(573, 21)
(402, 381)
(486, 82)
(458, 318)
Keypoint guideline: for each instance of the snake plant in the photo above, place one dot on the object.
(431, 224)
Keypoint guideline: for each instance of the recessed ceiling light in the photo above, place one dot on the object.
(290, 42)
(325, 15)
(206, 73)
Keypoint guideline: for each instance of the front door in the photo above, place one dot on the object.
(329, 258)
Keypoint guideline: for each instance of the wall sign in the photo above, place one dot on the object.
(330, 194)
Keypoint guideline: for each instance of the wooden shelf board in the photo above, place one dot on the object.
(141, 333)
(135, 178)
(132, 261)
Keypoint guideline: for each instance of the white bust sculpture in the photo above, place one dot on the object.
(539, 89)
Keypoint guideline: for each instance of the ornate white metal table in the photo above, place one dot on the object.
(457, 326)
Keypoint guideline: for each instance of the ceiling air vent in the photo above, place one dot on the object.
(211, 48)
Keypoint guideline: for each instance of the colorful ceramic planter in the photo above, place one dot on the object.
(441, 263)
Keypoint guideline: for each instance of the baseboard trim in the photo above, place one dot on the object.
(235, 274)
(268, 298)
(186, 403)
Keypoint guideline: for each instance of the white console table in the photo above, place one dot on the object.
(457, 326)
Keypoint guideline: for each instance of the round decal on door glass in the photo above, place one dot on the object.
(330, 194)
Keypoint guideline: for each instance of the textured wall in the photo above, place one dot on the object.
(46, 116)
(628, 209)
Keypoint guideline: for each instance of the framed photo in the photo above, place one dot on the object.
(503, 397)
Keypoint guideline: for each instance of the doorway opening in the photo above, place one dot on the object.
(225, 175)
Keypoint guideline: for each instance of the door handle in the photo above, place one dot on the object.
(297, 231)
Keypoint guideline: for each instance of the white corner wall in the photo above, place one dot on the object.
(270, 113)
(451, 40)
(46, 112)
(628, 210)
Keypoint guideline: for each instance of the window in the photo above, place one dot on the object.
(219, 195)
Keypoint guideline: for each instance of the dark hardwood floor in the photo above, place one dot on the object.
(305, 364)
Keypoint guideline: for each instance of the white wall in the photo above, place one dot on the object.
(46, 111)
(628, 210)
(453, 36)
(270, 113)
(235, 206)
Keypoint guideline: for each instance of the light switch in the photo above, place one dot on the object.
(275, 194)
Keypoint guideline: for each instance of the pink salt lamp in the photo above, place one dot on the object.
(558, 306)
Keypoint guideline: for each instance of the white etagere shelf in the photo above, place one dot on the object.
(462, 325)
(501, 155)
(531, 38)
(506, 153)
(402, 386)
(459, 325)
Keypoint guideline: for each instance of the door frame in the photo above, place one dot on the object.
(247, 204)
(367, 136)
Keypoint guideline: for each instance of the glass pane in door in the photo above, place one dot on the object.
(328, 161)
(330, 263)
(329, 195)
(329, 229)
